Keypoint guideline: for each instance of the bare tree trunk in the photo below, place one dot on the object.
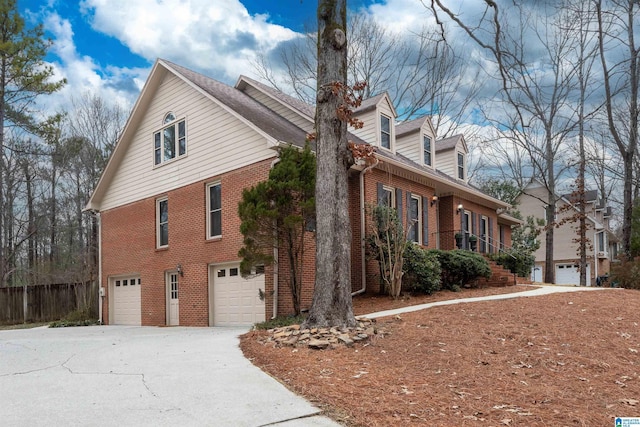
(331, 305)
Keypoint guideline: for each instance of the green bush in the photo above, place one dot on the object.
(460, 268)
(80, 317)
(279, 322)
(517, 262)
(626, 274)
(421, 270)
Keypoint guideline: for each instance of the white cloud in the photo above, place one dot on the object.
(83, 74)
(221, 38)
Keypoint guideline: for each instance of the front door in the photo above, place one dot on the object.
(173, 300)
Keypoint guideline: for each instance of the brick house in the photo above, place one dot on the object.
(603, 247)
(167, 200)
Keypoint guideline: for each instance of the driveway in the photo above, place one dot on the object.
(140, 376)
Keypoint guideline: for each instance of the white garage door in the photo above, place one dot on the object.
(126, 301)
(236, 301)
(569, 274)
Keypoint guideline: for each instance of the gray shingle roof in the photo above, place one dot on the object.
(447, 143)
(410, 126)
(295, 103)
(265, 119)
(369, 103)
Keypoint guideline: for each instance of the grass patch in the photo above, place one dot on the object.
(22, 326)
(279, 322)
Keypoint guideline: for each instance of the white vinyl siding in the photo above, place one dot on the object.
(279, 108)
(369, 130)
(217, 143)
(446, 162)
(409, 146)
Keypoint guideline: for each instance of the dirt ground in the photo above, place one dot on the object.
(568, 359)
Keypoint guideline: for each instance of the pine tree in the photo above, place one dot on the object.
(23, 76)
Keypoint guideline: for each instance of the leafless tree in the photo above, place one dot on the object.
(421, 74)
(537, 87)
(619, 58)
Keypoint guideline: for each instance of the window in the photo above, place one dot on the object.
(162, 221)
(414, 216)
(214, 210)
(601, 241)
(387, 197)
(426, 149)
(233, 271)
(460, 166)
(222, 273)
(385, 131)
(484, 234)
(171, 141)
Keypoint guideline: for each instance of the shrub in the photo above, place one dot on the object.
(79, 317)
(279, 322)
(517, 262)
(626, 274)
(421, 270)
(460, 268)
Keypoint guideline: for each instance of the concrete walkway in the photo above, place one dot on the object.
(541, 290)
(140, 376)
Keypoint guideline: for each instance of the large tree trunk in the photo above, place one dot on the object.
(331, 305)
(549, 273)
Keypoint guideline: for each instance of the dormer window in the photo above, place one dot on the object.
(171, 141)
(426, 149)
(460, 166)
(385, 132)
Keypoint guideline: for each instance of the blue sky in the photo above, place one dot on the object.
(108, 46)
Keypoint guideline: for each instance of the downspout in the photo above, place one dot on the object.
(595, 258)
(275, 258)
(363, 230)
(101, 291)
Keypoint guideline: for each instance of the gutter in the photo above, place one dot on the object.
(363, 264)
(275, 258)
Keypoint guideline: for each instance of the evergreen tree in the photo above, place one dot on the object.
(278, 212)
(23, 76)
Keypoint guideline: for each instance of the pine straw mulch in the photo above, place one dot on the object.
(568, 359)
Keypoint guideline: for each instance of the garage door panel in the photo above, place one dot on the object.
(126, 300)
(569, 274)
(235, 300)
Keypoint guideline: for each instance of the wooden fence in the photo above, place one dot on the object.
(44, 303)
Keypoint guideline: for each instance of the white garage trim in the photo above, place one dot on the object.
(234, 301)
(569, 274)
(125, 300)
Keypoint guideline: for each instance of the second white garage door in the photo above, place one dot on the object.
(569, 274)
(236, 301)
(126, 301)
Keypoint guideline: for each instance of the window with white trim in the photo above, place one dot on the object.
(415, 219)
(214, 210)
(170, 142)
(426, 150)
(385, 131)
(601, 242)
(460, 166)
(388, 197)
(162, 222)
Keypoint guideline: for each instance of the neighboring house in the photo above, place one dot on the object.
(168, 198)
(603, 244)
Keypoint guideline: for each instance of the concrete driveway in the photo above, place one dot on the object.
(140, 376)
